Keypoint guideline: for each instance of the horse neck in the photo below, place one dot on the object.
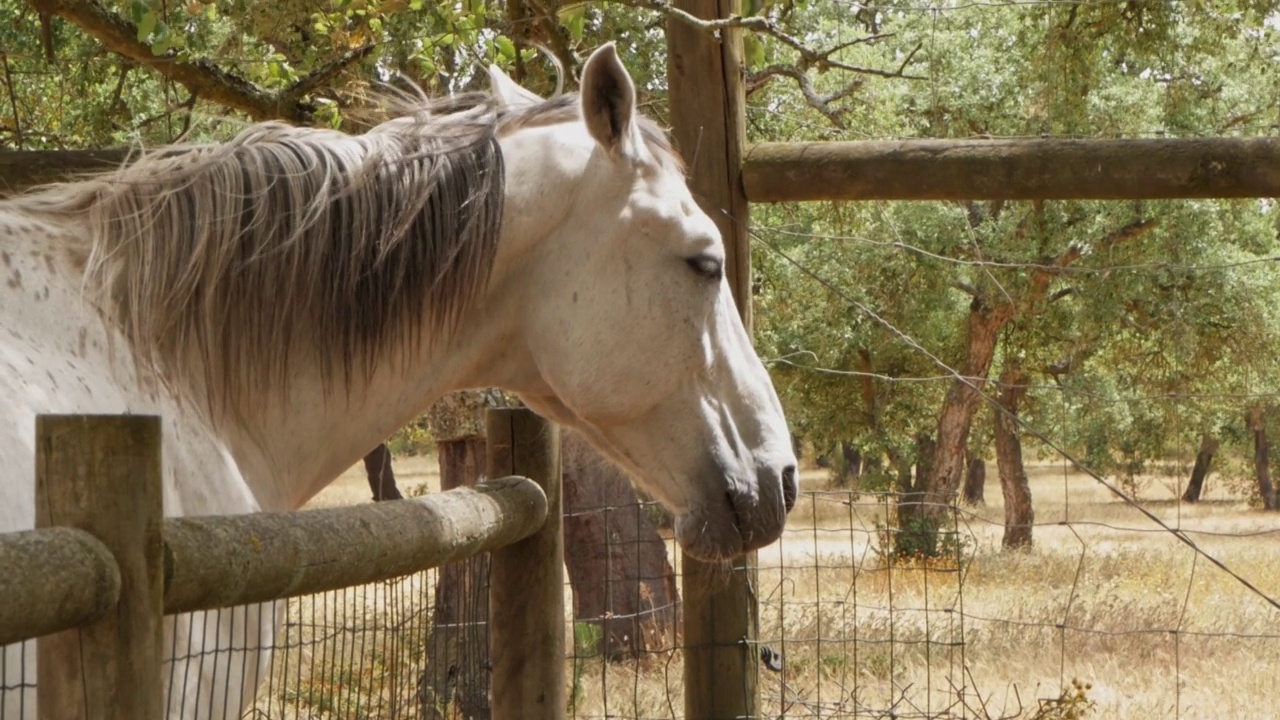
(292, 444)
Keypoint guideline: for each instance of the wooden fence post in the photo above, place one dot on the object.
(102, 474)
(526, 580)
(721, 655)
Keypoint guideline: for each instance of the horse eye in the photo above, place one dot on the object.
(709, 267)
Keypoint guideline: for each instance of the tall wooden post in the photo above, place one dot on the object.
(721, 666)
(102, 474)
(526, 580)
(709, 122)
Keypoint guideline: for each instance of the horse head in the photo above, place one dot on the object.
(627, 327)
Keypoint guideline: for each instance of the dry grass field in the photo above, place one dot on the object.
(1109, 616)
(1106, 597)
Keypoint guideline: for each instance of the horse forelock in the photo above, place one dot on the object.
(224, 264)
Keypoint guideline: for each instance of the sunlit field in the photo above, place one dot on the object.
(1108, 616)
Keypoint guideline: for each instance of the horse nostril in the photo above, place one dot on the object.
(789, 486)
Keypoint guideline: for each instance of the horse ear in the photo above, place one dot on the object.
(507, 91)
(608, 100)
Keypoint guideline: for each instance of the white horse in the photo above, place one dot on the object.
(287, 300)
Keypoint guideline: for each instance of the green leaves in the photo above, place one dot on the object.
(754, 52)
(574, 19)
(145, 18)
(506, 49)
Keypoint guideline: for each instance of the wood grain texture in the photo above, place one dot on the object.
(708, 122)
(721, 628)
(708, 118)
(53, 579)
(526, 579)
(1013, 169)
(102, 474)
(224, 561)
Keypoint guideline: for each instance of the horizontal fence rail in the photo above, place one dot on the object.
(1013, 169)
(102, 566)
(53, 579)
(224, 561)
(217, 562)
(913, 169)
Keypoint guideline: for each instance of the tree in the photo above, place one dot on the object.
(1261, 457)
(975, 479)
(1148, 317)
(1200, 472)
(1019, 517)
(382, 478)
(622, 580)
(456, 679)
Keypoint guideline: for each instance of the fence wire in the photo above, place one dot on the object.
(1103, 618)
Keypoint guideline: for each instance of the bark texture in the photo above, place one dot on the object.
(975, 481)
(622, 580)
(1200, 472)
(1013, 169)
(1019, 516)
(456, 681)
(1262, 458)
(382, 479)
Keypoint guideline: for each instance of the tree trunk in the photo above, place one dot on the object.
(1261, 459)
(1019, 517)
(382, 479)
(852, 461)
(623, 583)
(947, 467)
(849, 467)
(975, 481)
(926, 448)
(913, 538)
(1204, 461)
(455, 683)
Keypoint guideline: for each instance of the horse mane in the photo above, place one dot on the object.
(291, 240)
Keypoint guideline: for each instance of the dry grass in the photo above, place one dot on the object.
(1105, 596)
(1149, 627)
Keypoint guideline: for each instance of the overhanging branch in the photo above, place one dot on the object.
(809, 58)
(201, 77)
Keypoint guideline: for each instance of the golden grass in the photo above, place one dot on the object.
(1151, 628)
(1107, 597)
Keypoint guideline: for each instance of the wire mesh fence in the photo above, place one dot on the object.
(1107, 617)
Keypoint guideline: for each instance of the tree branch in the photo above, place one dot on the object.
(809, 58)
(1133, 230)
(323, 75)
(200, 77)
(821, 103)
(1049, 270)
(556, 40)
(968, 289)
(13, 99)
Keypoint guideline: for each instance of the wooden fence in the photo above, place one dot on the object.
(103, 565)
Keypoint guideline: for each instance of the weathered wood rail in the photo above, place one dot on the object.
(93, 588)
(915, 169)
(1013, 169)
